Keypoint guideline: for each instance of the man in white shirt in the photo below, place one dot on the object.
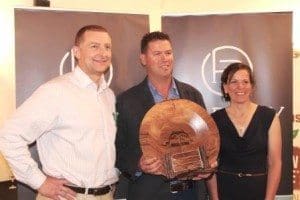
(71, 118)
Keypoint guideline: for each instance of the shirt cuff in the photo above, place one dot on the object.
(138, 174)
(36, 179)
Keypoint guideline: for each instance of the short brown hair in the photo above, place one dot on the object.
(81, 31)
(152, 36)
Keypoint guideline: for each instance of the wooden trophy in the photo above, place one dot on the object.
(183, 135)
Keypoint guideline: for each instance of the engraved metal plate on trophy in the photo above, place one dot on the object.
(183, 135)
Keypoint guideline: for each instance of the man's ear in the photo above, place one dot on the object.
(76, 52)
(143, 59)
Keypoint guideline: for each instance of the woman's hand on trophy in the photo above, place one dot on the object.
(151, 165)
(207, 175)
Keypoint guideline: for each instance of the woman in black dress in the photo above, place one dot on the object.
(250, 152)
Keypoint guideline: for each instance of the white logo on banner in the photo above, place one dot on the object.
(62, 62)
(215, 63)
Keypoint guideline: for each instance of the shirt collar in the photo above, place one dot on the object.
(172, 94)
(86, 82)
(174, 87)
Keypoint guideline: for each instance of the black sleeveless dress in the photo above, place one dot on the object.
(247, 154)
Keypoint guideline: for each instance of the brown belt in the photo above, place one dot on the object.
(241, 174)
(93, 191)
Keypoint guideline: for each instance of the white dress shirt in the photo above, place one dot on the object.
(72, 121)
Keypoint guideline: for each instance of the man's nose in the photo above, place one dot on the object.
(103, 50)
(164, 56)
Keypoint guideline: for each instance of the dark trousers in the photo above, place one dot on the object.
(151, 187)
(184, 195)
